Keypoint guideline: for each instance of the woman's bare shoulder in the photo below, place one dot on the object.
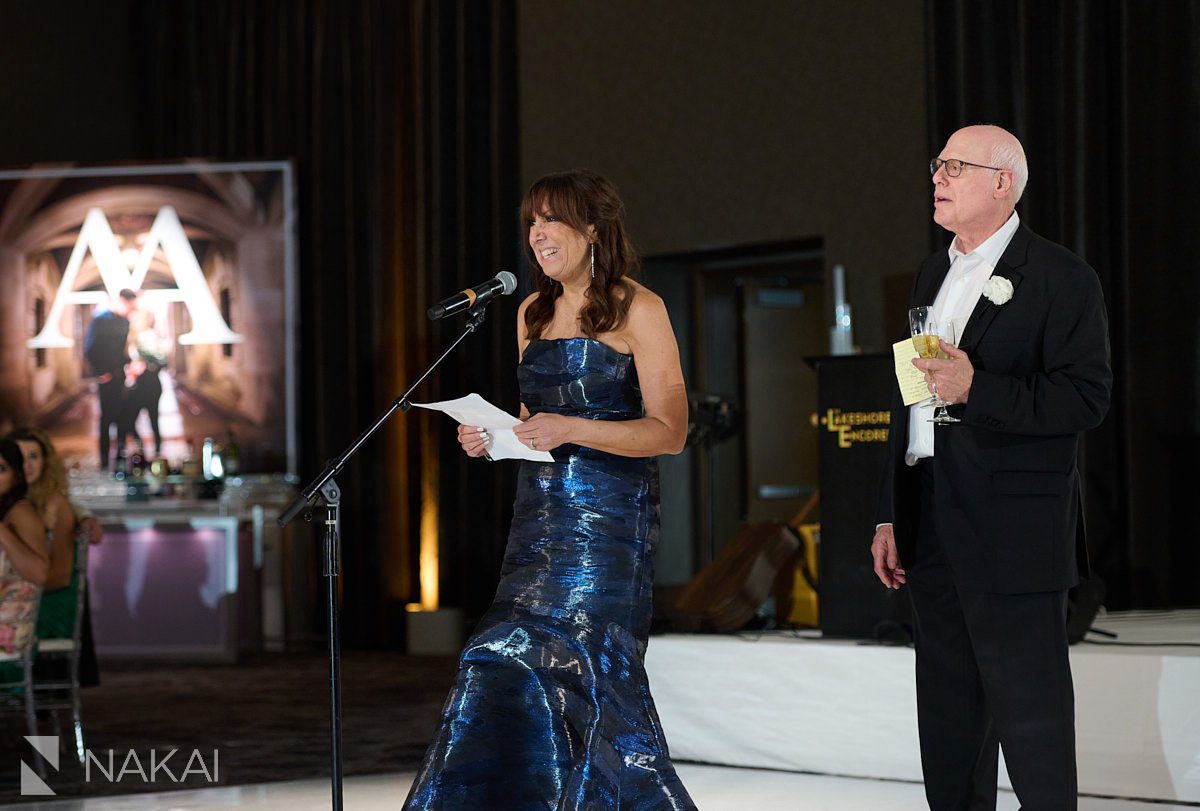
(645, 302)
(22, 512)
(57, 506)
(522, 330)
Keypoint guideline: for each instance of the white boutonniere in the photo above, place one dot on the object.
(997, 290)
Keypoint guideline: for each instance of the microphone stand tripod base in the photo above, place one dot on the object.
(433, 633)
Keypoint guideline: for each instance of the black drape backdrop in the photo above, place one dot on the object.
(401, 120)
(1105, 96)
(470, 229)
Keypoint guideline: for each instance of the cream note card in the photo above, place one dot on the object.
(912, 382)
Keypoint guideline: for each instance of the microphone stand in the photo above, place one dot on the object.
(327, 489)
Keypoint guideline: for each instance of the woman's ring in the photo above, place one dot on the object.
(533, 443)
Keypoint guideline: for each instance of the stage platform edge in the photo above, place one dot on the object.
(796, 702)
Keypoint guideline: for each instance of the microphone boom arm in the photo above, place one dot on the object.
(334, 466)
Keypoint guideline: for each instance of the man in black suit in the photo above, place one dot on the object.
(106, 351)
(982, 518)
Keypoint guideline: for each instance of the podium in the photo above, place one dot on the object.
(853, 401)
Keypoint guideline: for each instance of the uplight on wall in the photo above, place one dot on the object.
(431, 630)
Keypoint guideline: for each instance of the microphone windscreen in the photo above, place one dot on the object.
(507, 281)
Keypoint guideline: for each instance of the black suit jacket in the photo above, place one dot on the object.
(104, 347)
(1007, 493)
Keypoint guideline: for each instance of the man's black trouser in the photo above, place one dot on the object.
(991, 669)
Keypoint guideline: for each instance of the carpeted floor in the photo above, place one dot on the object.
(268, 716)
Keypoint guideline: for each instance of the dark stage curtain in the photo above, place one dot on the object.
(400, 117)
(470, 229)
(1105, 96)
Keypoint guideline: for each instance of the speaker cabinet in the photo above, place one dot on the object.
(854, 398)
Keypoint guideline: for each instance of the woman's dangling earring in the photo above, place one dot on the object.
(593, 260)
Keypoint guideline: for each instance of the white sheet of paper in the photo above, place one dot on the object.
(474, 410)
(910, 378)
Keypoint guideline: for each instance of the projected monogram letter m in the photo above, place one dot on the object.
(208, 327)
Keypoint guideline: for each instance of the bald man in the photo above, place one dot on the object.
(981, 517)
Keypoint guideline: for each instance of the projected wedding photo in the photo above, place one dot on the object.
(146, 312)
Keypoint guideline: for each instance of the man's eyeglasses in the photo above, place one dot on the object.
(954, 166)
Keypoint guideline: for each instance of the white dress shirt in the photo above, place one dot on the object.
(956, 300)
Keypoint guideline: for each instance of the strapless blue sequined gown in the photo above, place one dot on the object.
(551, 708)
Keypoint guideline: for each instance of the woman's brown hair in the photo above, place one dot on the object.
(10, 452)
(581, 198)
(54, 475)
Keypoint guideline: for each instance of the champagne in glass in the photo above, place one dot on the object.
(927, 345)
(923, 330)
(924, 333)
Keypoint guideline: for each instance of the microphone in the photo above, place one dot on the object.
(503, 284)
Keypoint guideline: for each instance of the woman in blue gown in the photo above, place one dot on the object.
(551, 708)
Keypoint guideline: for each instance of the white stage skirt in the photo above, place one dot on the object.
(780, 701)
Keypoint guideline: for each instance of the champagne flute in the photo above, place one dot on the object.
(949, 334)
(924, 331)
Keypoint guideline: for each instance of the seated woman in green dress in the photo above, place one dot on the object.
(23, 559)
(47, 480)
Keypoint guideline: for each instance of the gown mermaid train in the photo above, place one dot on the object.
(551, 708)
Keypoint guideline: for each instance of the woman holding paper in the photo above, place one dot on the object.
(551, 707)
